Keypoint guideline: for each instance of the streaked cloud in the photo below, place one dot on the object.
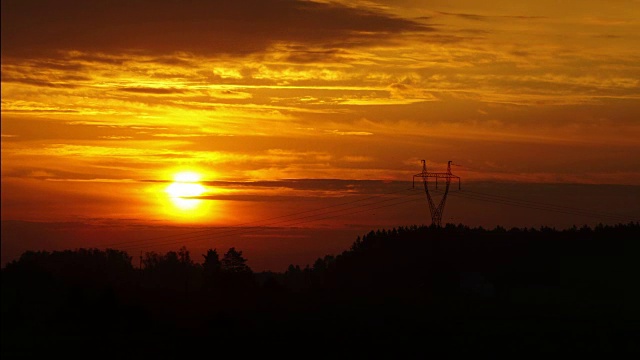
(251, 93)
(356, 133)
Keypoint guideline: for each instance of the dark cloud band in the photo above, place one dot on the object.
(33, 27)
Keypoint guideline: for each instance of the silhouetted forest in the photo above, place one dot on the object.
(416, 291)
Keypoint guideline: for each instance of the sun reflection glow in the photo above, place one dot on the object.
(183, 190)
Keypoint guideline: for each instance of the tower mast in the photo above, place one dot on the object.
(436, 211)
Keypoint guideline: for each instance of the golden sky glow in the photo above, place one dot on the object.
(103, 103)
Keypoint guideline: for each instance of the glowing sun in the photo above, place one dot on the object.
(184, 189)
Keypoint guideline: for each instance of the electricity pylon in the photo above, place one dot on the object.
(436, 212)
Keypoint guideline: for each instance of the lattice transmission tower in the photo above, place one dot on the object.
(436, 211)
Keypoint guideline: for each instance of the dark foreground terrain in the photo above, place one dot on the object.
(416, 292)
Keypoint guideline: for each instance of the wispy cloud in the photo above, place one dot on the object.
(352, 133)
(479, 17)
(154, 91)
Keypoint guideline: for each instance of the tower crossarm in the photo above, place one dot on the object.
(437, 175)
(425, 175)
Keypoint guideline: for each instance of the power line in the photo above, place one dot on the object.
(601, 213)
(265, 222)
(537, 205)
(330, 211)
(553, 208)
(242, 231)
(204, 231)
(238, 231)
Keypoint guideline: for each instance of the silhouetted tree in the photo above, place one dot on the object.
(236, 274)
(173, 271)
(212, 268)
(233, 262)
(293, 278)
(212, 262)
(151, 260)
(184, 256)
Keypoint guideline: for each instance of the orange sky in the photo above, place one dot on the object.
(103, 103)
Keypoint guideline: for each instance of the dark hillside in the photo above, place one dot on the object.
(502, 290)
(412, 290)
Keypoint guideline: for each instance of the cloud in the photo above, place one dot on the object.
(383, 101)
(352, 133)
(153, 91)
(178, 135)
(37, 82)
(312, 56)
(357, 159)
(477, 17)
(116, 137)
(202, 26)
(369, 186)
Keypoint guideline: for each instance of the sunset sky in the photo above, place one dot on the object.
(268, 111)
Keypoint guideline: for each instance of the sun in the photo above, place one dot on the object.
(185, 189)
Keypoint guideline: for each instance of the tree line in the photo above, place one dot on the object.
(572, 289)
